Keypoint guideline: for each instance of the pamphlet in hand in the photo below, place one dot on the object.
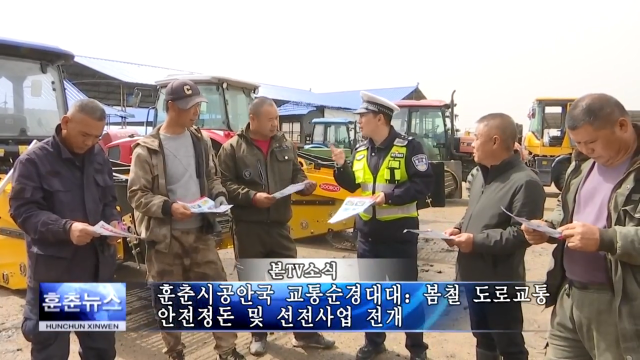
(539, 227)
(350, 207)
(431, 234)
(105, 229)
(206, 205)
(291, 189)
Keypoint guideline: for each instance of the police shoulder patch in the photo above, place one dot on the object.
(421, 162)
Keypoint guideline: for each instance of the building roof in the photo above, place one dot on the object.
(333, 121)
(129, 72)
(148, 74)
(73, 95)
(294, 109)
(351, 99)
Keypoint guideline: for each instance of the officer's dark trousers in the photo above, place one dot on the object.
(262, 240)
(505, 318)
(83, 266)
(405, 247)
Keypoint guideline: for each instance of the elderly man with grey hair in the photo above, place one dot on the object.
(61, 188)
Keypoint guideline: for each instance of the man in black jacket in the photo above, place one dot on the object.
(61, 188)
(490, 242)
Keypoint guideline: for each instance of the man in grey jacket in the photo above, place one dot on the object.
(490, 242)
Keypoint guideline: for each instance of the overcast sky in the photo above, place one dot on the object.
(498, 55)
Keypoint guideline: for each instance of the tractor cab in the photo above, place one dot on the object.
(32, 95)
(226, 111)
(426, 121)
(339, 132)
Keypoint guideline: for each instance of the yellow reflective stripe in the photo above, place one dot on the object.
(384, 211)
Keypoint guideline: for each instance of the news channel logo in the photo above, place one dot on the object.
(82, 306)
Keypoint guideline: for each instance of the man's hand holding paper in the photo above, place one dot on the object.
(533, 236)
(581, 236)
(535, 225)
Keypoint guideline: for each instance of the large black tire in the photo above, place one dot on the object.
(558, 180)
(472, 175)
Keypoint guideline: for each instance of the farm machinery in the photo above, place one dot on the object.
(432, 122)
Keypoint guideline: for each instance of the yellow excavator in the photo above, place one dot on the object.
(546, 143)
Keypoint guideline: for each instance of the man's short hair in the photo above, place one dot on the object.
(260, 103)
(90, 108)
(597, 110)
(502, 125)
(387, 118)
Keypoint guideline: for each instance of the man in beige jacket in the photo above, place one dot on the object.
(176, 162)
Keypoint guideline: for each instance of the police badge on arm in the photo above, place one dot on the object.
(420, 162)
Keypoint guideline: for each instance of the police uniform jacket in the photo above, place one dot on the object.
(416, 189)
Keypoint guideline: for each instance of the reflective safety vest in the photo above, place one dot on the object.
(392, 172)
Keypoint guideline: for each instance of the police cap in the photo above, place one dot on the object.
(373, 103)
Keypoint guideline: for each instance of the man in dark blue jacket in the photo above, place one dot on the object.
(61, 188)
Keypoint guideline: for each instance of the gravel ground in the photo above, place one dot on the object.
(436, 264)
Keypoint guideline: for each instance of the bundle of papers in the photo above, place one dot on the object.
(105, 229)
(206, 205)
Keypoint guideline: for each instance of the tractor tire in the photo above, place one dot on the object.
(558, 181)
(451, 184)
(472, 175)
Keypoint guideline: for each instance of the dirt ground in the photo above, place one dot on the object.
(436, 264)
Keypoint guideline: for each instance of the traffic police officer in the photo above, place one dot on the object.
(394, 169)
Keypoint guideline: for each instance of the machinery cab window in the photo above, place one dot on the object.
(225, 109)
(547, 121)
(31, 98)
(114, 153)
(427, 125)
(339, 135)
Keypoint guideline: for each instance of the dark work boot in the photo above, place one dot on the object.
(486, 355)
(422, 356)
(317, 341)
(368, 352)
(179, 355)
(232, 355)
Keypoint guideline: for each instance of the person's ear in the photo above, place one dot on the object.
(64, 122)
(623, 125)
